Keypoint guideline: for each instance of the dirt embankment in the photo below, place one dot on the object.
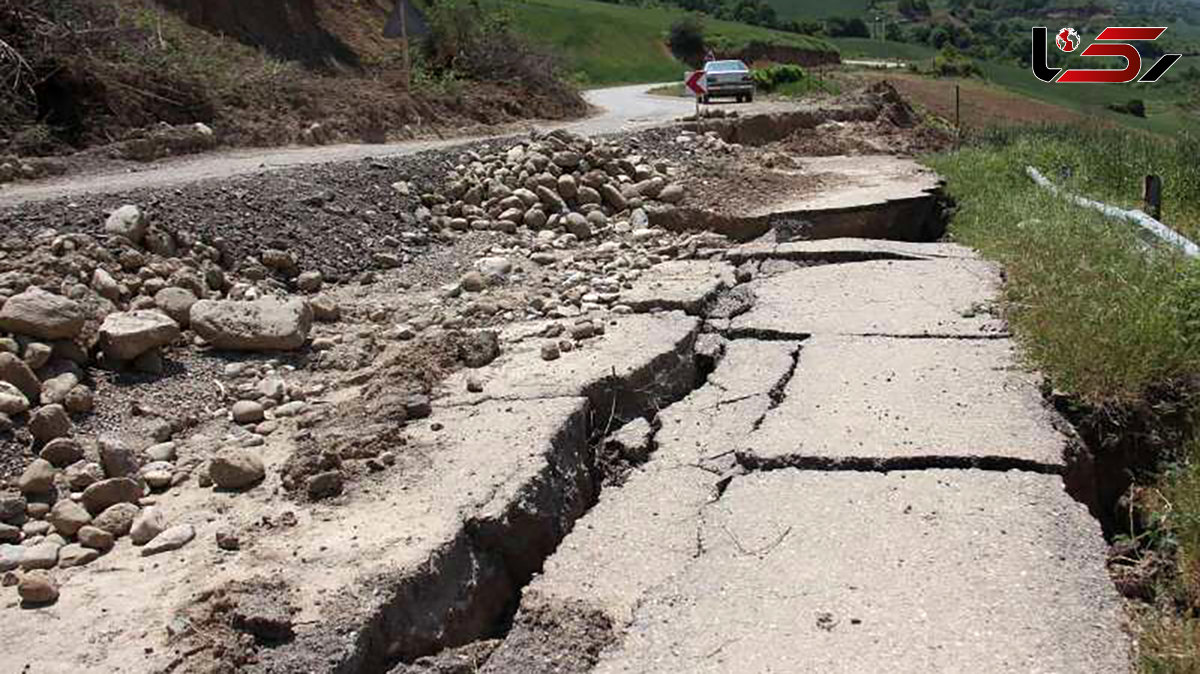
(104, 73)
(777, 53)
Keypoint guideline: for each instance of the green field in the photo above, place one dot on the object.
(618, 44)
(1162, 115)
(862, 47)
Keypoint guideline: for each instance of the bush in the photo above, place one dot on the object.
(843, 27)
(950, 62)
(770, 78)
(1134, 106)
(686, 40)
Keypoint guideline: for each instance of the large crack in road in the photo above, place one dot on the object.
(832, 500)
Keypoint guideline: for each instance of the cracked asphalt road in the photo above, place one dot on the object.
(888, 499)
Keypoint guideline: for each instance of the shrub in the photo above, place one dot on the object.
(839, 26)
(950, 62)
(771, 77)
(1134, 106)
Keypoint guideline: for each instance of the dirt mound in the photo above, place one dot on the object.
(290, 29)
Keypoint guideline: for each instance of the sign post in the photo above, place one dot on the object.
(695, 82)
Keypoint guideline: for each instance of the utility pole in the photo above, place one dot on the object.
(404, 45)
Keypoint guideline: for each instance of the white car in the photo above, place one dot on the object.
(728, 79)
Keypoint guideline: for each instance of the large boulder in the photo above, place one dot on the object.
(41, 314)
(267, 324)
(127, 335)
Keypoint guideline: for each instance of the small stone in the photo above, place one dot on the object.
(325, 485)
(127, 335)
(149, 523)
(38, 478)
(68, 517)
(579, 226)
(12, 400)
(291, 409)
(550, 351)
(37, 588)
(76, 555)
(671, 194)
(163, 451)
(37, 355)
(16, 372)
(96, 538)
(12, 508)
(79, 400)
(247, 412)
(227, 539)
(11, 556)
(418, 406)
(10, 534)
(236, 469)
(81, 474)
(106, 493)
(118, 459)
(40, 556)
(176, 303)
(62, 452)
(310, 281)
(158, 474)
(55, 389)
(49, 422)
(127, 221)
(473, 282)
(117, 519)
(474, 384)
(172, 539)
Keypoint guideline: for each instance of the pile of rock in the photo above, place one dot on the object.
(74, 503)
(558, 182)
(13, 168)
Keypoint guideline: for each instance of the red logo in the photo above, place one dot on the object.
(1067, 39)
(1111, 41)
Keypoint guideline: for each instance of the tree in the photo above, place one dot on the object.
(686, 40)
(844, 27)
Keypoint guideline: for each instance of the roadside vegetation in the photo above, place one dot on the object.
(1114, 322)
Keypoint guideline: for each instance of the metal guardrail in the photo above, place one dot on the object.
(1139, 218)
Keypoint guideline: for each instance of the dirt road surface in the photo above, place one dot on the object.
(617, 109)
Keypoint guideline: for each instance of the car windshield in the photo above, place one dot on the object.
(724, 66)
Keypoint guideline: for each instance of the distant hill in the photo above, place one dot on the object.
(608, 43)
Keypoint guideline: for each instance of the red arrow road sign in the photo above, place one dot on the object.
(695, 82)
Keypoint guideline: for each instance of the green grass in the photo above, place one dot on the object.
(1098, 315)
(861, 47)
(619, 44)
(1162, 113)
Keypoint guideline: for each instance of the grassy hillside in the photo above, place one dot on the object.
(614, 44)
